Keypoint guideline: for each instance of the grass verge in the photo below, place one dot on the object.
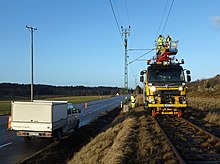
(210, 107)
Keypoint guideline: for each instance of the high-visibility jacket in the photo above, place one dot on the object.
(160, 41)
(168, 39)
(132, 99)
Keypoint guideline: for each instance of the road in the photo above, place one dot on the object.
(13, 148)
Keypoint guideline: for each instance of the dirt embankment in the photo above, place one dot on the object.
(132, 137)
(204, 102)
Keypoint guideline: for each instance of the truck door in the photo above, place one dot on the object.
(75, 115)
(70, 116)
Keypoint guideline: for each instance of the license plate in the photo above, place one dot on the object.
(168, 105)
(34, 134)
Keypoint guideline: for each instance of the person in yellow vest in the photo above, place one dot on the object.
(168, 40)
(132, 101)
(160, 40)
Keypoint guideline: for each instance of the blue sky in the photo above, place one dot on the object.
(78, 42)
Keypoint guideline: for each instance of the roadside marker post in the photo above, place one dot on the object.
(9, 122)
(86, 105)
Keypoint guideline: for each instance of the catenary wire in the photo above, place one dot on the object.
(126, 6)
(141, 56)
(116, 20)
(133, 74)
(162, 18)
(167, 17)
(116, 11)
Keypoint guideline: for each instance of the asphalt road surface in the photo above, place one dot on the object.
(13, 148)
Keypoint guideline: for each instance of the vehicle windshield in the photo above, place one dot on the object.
(166, 75)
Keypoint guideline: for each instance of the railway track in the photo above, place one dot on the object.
(190, 143)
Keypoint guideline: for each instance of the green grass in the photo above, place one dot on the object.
(5, 106)
(78, 99)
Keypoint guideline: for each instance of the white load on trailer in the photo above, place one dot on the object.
(43, 118)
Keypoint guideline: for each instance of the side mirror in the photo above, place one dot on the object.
(187, 72)
(188, 78)
(75, 110)
(142, 79)
(142, 72)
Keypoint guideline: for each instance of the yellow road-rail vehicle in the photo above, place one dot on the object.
(165, 84)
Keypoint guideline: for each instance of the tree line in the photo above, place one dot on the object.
(9, 90)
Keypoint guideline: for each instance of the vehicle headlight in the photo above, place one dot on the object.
(151, 100)
(180, 88)
(153, 89)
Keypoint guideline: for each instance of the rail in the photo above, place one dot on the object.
(192, 143)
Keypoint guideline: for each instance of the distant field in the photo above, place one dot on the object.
(5, 106)
(79, 99)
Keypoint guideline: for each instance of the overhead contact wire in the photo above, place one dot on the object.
(141, 56)
(126, 5)
(168, 16)
(162, 18)
(116, 20)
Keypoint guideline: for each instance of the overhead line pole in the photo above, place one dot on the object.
(32, 29)
(126, 33)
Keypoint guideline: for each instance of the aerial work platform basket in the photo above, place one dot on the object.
(164, 52)
(173, 47)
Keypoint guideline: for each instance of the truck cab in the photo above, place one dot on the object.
(73, 117)
(165, 88)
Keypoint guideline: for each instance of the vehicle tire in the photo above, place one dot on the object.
(58, 136)
(27, 138)
(149, 111)
(77, 125)
(183, 111)
(146, 105)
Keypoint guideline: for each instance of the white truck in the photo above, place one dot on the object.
(43, 118)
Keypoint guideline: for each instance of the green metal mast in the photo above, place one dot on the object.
(126, 33)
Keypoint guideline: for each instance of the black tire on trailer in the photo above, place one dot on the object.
(27, 138)
(58, 135)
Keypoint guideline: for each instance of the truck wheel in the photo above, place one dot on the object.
(149, 111)
(77, 125)
(58, 136)
(27, 138)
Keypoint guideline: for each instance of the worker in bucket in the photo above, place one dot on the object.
(132, 101)
(160, 40)
(168, 40)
